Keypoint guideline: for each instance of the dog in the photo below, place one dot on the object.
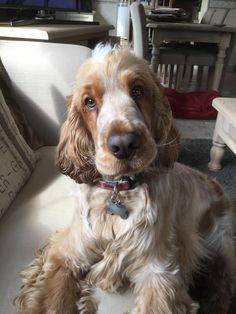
(143, 220)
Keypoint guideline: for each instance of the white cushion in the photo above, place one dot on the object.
(42, 75)
(42, 206)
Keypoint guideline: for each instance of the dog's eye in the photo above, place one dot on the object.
(137, 92)
(89, 103)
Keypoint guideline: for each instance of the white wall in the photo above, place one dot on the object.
(204, 7)
(106, 12)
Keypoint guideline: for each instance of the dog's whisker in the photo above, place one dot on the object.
(174, 140)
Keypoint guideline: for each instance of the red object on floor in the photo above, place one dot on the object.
(192, 105)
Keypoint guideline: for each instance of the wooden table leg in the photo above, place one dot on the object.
(216, 155)
(224, 132)
(218, 148)
(155, 60)
(155, 57)
(219, 65)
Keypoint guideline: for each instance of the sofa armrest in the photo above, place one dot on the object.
(42, 75)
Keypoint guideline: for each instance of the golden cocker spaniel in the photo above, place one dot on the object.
(143, 220)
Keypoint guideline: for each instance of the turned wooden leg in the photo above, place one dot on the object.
(219, 66)
(216, 155)
(179, 77)
(187, 76)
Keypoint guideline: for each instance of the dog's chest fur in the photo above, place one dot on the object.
(123, 246)
(103, 225)
(119, 243)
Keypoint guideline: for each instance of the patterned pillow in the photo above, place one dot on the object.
(25, 130)
(17, 158)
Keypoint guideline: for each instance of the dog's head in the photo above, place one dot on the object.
(119, 123)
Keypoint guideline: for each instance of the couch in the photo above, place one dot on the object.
(40, 75)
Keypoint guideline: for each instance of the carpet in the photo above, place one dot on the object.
(196, 153)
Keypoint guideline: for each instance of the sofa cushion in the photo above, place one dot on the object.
(17, 158)
(45, 204)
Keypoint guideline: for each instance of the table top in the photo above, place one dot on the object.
(51, 32)
(191, 27)
(226, 106)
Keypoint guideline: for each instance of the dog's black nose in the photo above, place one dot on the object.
(123, 146)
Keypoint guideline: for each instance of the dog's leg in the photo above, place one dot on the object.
(162, 294)
(107, 275)
(86, 303)
(52, 283)
(49, 287)
(215, 286)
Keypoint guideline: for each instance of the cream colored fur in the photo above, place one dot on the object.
(179, 219)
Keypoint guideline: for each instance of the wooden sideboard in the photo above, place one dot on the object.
(87, 35)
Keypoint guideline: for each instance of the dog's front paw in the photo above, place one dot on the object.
(86, 303)
(105, 281)
(111, 285)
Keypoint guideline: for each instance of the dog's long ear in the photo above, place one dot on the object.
(75, 151)
(165, 133)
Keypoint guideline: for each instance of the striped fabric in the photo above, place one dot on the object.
(17, 160)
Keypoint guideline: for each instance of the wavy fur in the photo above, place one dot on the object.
(178, 238)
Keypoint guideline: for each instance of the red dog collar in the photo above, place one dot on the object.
(123, 184)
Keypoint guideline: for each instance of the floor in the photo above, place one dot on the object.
(195, 128)
(204, 129)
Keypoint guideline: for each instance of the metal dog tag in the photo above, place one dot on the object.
(116, 209)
